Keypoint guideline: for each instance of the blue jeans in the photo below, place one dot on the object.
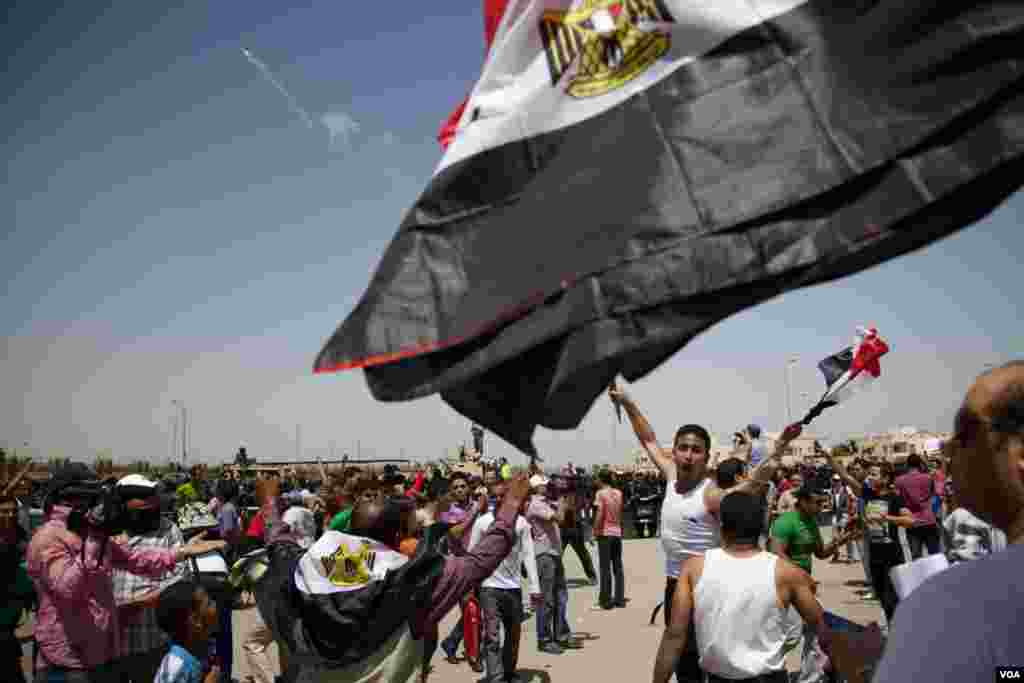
(552, 613)
(451, 643)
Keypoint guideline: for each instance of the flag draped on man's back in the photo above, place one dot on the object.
(627, 173)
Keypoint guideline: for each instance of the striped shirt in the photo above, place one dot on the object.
(139, 630)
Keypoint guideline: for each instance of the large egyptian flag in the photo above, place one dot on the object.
(850, 371)
(345, 608)
(627, 173)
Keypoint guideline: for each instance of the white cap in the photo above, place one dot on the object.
(136, 480)
(538, 480)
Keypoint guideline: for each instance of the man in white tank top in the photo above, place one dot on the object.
(737, 598)
(689, 513)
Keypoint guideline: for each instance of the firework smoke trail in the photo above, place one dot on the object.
(293, 104)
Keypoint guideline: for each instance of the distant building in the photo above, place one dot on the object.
(896, 445)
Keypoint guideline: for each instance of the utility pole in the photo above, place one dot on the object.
(298, 443)
(174, 435)
(184, 434)
(180, 412)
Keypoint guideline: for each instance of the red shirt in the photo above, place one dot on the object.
(256, 526)
(609, 504)
(916, 488)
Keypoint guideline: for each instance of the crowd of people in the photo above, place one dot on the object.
(352, 573)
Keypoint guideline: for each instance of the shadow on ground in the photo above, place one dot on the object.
(584, 636)
(533, 676)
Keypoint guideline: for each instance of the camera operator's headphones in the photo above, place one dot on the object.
(100, 506)
(74, 481)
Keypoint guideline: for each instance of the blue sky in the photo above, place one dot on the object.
(178, 232)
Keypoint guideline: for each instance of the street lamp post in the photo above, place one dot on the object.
(174, 435)
(182, 412)
(789, 404)
(184, 434)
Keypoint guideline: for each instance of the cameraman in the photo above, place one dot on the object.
(70, 560)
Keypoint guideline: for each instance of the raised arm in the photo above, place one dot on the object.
(760, 476)
(644, 432)
(462, 573)
(840, 469)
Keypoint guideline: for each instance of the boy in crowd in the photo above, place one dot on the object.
(188, 616)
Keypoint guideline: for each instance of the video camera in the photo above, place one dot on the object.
(101, 509)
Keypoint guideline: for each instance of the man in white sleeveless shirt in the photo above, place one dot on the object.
(689, 513)
(737, 597)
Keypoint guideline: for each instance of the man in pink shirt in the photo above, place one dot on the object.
(917, 488)
(71, 563)
(608, 530)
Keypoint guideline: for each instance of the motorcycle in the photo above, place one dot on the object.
(645, 514)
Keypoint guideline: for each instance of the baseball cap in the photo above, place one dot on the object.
(538, 480)
(136, 487)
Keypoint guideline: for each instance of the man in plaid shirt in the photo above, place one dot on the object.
(143, 643)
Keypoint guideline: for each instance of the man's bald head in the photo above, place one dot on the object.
(988, 450)
(384, 521)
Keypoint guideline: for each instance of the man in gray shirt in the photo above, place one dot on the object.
(964, 623)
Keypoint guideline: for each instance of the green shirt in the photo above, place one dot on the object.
(19, 597)
(801, 536)
(341, 520)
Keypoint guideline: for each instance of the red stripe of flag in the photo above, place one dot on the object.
(494, 10)
(871, 348)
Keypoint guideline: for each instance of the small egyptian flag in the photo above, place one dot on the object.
(850, 370)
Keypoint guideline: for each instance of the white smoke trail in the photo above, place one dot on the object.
(293, 104)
